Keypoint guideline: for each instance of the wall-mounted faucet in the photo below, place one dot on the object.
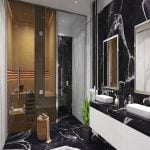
(146, 101)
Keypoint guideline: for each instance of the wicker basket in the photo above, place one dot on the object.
(43, 132)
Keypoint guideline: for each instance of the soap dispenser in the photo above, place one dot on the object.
(125, 103)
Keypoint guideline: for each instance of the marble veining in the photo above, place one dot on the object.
(65, 148)
(146, 8)
(67, 134)
(64, 75)
(127, 120)
(118, 26)
(120, 17)
(19, 140)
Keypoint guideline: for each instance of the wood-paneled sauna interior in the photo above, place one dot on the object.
(31, 64)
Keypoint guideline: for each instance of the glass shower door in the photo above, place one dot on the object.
(45, 62)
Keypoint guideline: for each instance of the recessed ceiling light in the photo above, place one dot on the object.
(75, 2)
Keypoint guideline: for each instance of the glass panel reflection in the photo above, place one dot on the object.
(20, 66)
(50, 53)
(110, 62)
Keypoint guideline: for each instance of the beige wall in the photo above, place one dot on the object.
(23, 46)
(20, 53)
(20, 44)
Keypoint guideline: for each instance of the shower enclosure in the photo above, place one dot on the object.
(71, 63)
(65, 75)
(31, 64)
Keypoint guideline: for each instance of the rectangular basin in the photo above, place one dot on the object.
(139, 110)
(104, 99)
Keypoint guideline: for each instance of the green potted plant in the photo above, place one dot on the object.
(86, 118)
(85, 112)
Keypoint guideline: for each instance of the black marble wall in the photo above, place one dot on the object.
(120, 17)
(64, 75)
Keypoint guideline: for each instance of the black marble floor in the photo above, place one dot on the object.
(65, 135)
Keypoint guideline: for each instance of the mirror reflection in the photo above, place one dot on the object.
(110, 62)
(142, 58)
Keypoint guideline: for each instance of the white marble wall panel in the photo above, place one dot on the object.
(78, 66)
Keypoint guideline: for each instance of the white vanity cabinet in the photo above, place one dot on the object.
(119, 135)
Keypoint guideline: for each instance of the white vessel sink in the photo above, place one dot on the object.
(139, 110)
(104, 99)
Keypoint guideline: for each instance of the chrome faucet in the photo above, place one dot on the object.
(146, 99)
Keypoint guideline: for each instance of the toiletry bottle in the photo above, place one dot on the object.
(94, 94)
(91, 94)
(117, 101)
(125, 103)
(111, 93)
(130, 99)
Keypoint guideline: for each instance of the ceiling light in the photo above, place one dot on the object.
(75, 2)
(61, 34)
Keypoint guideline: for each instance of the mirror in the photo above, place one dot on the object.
(142, 58)
(110, 62)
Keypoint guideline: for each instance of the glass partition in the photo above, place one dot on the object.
(20, 66)
(31, 64)
(50, 53)
(71, 62)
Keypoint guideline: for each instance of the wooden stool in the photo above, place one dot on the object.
(43, 132)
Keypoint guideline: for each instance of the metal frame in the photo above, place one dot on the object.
(137, 29)
(111, 87)
(57, 102)
(97, 42)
